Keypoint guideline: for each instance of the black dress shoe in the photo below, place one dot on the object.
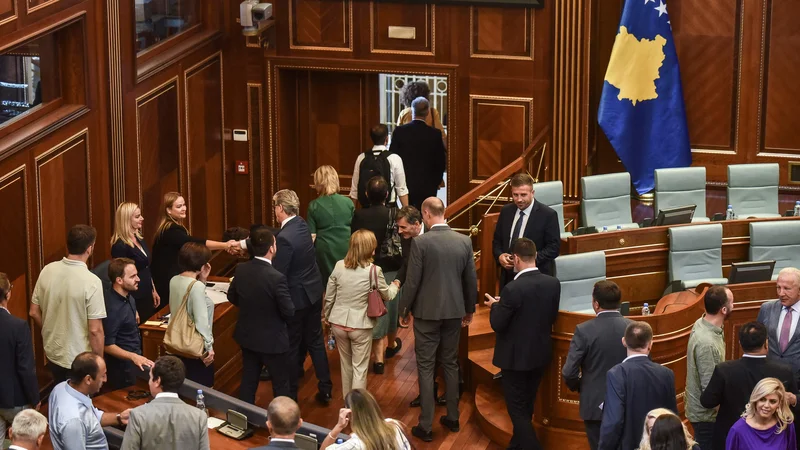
(415, 403)
(265, 376)
(323, 398)
(377, 368)
(418, 432)
(451, 425)
(441, 401)
(393, 351)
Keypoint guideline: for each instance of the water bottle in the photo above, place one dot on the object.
(796, 209)
(730, 215)
(331, 341)
(646, 310)
(605, 229)
(201, 401)
(619, 227)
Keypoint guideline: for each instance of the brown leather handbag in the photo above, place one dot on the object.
(182, 337)
(375, 306)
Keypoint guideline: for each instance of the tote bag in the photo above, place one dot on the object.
(375, 307)
(182, 337)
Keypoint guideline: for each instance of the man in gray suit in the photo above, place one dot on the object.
(440, 291)
(166, 422)
(596, 347)
(781, 317)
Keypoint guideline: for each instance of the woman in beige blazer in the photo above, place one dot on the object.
(346, 300)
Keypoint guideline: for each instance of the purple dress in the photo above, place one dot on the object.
(744, 437)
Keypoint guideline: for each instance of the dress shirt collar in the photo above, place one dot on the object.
(607, 311)
(634, 356)
(529, 269)
(118, 296)
(73, 262)
(710, 326)
(263, 259)
(80, 396)
(379, 147)
(3, 307)
(795, 308)
(527, 210)
(747, 355)
(272, 439)
(16, 447)
(438, 225)
(286, 220)
(167, 395)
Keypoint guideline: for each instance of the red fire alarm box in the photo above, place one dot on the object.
(241, 167)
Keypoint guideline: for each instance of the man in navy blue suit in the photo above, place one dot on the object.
(634, 387)
(296, 259)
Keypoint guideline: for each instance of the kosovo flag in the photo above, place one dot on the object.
(641, 107)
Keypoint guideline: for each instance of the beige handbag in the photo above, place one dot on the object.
(182, 337)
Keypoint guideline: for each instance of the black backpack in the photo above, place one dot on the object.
(375, 163)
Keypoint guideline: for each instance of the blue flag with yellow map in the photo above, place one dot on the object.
(641, 106)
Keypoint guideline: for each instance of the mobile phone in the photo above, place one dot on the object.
(209, 284)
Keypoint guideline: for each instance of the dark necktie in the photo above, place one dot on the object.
(785, 328)
(517, 227)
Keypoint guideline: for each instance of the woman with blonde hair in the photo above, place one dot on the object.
(650, 420)
(346, 301)
(371, 430)
(329, 217)
(127, 242)
(170, 237)
(766, 423)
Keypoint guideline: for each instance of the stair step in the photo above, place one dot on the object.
(492, 415)
(481, 335)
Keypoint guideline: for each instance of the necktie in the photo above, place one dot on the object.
(517, 227)
(785, 328)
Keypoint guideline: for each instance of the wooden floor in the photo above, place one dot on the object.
(393, 390)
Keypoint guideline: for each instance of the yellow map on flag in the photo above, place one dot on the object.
(634, 64)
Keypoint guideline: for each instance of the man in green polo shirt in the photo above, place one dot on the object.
(706, 350)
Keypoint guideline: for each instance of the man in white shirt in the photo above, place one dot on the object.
(28, 430)
(396, 176)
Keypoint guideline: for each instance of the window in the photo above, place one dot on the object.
(159, 20)
(29, 77)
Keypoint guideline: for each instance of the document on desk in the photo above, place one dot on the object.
(213, 422)
(218, 293)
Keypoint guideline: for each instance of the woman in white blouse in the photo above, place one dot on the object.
(371, 430)
(346, 300)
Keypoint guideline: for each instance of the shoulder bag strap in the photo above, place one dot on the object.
(185, 303)
(373, 273)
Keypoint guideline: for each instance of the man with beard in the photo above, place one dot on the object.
(706, 349)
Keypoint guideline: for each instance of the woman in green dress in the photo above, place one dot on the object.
(329, 217)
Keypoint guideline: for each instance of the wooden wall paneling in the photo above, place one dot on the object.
(421, 17)
(156, 161)
(63, 194)
(205, 147)
(321, 25)
(501, 33)
(116, 125)
(8, 11)
(17, 264)
(500, 130)
(255, 131)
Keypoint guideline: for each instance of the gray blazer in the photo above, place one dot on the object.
(441, 282)
(769, 315)
(595, 348)
(166, 424)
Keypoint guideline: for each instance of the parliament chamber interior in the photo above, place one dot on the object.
(111, 101)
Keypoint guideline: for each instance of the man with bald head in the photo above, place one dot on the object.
(283, 420)
(440, 292)
(781, 317)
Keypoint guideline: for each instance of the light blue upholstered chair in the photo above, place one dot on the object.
(695, 255)
(607, 201)
(681, 186)
(578, 273)
(779, 241)
(753, 190)
(551, 193)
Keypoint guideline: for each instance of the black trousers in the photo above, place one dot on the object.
(198, 372)
(59, 373)
(592, 432)
(704, 434)
(252, 362)
(145, 308)
(305, 337)
(519, 389)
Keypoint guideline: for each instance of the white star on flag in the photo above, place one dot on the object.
(662, 8)
(648, 1)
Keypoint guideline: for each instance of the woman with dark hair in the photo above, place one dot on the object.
(668, 433)
(408, 93)
(371, 430)
(193, 261)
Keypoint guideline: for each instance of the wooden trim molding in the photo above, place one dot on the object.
(347, 15)
(259, 113)
(530, 27)
(116, 125)
(12, 16)
(430, 38)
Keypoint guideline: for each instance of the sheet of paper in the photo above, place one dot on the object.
(213, 422)
(218, 293)
(154, 323)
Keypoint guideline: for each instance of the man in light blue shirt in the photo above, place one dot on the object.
(75, 424)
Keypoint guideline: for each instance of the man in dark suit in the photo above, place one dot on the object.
(19, 387)
(262, 295)
(634, 387)
(733, 381)
(528, 218)
(422, 150)
(781, 318)
(296, 258)
(522, 319)
(440, 291)
(283, 421)
(596, 348)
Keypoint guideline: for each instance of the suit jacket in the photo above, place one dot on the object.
(166, 424)
(542, 228)
(297, 259)
(634, 388)
(440, 282)
(769, 315)
(142, 261)
(595, 348)
(522, 321)
(17, 370)
(730, 387)
(275, 445)
(262, 295)
(424, 158)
